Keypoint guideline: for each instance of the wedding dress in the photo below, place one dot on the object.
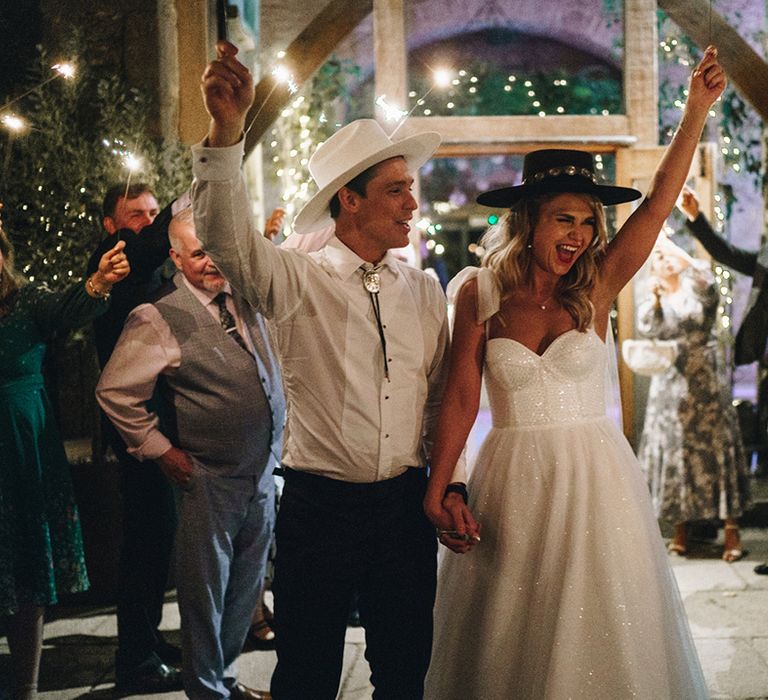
(569, 594)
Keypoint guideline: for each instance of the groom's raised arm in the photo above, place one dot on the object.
(272, 281)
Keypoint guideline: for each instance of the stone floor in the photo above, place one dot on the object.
(726, 606)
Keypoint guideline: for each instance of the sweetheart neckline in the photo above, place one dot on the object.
(546, 350)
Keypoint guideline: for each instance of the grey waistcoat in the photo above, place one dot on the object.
(217, 410)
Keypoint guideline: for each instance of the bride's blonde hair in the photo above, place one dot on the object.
(509, 255)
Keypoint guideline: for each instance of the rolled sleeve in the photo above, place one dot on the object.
(145, 350)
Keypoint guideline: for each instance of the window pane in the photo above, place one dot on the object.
(532, 57)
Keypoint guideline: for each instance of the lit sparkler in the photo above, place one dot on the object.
(441, 78)
(281, 75)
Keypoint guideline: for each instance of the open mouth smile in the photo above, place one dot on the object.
(566, 253)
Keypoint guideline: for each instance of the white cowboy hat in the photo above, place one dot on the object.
(351, 150)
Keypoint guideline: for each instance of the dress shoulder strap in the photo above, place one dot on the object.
(488, 290)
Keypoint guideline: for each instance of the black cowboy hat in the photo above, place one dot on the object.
(558, 170)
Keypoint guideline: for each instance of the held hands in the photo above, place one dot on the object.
(456, 527)
(176, 465)
(227, 87)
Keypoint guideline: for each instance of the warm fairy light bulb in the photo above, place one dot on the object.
(14, 123)
(65, 70)
(442, 77)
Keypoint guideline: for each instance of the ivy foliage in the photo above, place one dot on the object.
(314, 114)
(54, 175)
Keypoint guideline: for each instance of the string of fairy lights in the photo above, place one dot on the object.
(293, 136)
(65, 224)
(679, 52)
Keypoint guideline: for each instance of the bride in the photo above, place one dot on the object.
(567, 592)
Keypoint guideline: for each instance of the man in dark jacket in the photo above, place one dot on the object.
(144, 662)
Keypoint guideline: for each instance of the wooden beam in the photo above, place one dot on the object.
(303, 57)
(747, 70)
(612, 129)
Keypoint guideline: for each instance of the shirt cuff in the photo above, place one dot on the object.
(217, 164)
(155, 446)
(182, 202)
(460, 470)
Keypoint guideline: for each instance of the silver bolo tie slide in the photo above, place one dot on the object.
(372, 284)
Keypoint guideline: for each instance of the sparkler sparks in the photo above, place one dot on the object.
(13, 123)
(65, 70)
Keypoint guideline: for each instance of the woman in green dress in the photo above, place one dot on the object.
(41, 547)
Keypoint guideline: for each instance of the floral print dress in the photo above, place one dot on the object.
(41, 545)
(691, 447)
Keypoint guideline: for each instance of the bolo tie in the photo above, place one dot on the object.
(372, 284)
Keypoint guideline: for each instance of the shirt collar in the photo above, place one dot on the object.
(346, 262)
(203, 295)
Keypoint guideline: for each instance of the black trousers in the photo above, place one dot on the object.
(149, 526)
(334, 537)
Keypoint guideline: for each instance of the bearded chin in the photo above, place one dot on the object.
(213, 285)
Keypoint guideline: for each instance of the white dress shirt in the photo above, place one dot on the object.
(345, 419)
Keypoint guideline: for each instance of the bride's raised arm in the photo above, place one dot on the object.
(633, 243)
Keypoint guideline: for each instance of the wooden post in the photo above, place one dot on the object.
(641, 84)
(168, 68)
(389, 50)
(193, 51)
(641, 95)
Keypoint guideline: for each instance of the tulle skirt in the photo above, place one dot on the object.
(569, 594)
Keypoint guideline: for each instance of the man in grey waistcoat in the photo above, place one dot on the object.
(209, 354)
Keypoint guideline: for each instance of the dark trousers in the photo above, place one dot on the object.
(149, 525)
(334, 537)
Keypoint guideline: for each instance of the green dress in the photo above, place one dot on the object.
(41, 545)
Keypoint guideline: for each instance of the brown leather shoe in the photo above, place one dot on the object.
(149, 678)
(242, 692)
(260, 636)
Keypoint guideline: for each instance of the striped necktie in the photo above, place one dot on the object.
(227, 321)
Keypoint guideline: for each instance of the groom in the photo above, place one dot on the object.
(363, 343)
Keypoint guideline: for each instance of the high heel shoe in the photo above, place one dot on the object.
(732, 554)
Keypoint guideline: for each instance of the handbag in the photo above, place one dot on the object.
(649, 356)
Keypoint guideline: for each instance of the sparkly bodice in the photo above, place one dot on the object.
(563, 385)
